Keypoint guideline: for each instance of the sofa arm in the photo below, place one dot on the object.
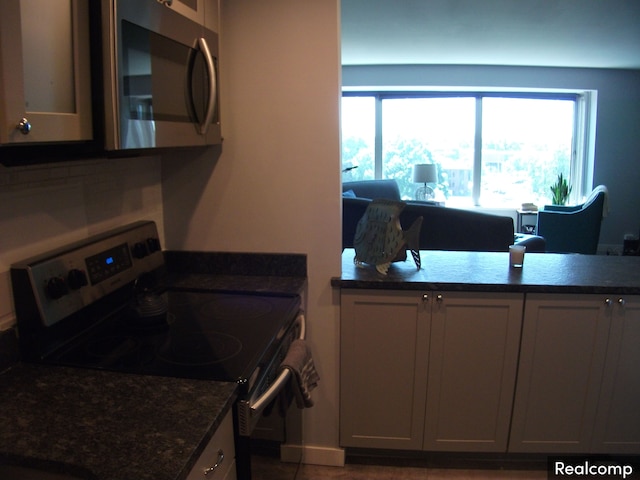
(534, 243)
(373, 189)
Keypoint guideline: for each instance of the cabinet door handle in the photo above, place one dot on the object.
(439, 298)
(217, 464)
(24, 126)
(425, 297)
(621, 301)
(608, 302)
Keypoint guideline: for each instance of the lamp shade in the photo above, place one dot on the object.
(425, 173)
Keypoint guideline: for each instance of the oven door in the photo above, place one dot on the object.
(249, 410)
(161, 78)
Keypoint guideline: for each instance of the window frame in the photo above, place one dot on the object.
(583, 135)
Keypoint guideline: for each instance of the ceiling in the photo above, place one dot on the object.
(553, 33)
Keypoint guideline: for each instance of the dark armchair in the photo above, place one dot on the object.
(574, 229)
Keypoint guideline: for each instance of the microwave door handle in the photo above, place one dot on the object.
(281, 381)
(211, 70)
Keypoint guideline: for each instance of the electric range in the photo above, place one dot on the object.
(105, 303)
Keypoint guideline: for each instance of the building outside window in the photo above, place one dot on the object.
(491, 149)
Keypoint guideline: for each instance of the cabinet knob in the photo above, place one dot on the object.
(24, 127)
(607, 302)
(439, 298)
(621, 301)
(425, 297)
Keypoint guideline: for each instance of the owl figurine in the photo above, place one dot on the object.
(379, 238)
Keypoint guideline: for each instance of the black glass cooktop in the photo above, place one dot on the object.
(215, 336)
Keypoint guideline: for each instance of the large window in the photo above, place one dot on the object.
(493, 150)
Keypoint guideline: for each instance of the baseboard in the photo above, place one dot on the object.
(333, 457)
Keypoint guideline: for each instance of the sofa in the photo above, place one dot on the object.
(443, 228)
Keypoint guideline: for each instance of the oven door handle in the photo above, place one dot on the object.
(273, 390)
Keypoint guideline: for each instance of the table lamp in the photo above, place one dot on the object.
(425, 173)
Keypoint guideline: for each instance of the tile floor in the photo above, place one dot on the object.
(270, 468)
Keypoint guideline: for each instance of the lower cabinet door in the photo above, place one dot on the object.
(564, 341)
(217, 461)
(618, 419)
(383, 365)
(472, 370)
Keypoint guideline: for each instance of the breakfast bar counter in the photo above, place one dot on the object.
(490, 272)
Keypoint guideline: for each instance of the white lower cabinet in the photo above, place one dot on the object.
(218, 460)
(564, 342)
(578, 384)
(437, 371)
(617, 428)
(431, 371)
(384, 349)
(473, 358)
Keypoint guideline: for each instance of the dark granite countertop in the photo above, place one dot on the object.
(238, 272)
(490, 272)
(106, 425)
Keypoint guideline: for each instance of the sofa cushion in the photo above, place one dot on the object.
(447, 228)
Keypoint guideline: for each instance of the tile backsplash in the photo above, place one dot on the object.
(45, 206)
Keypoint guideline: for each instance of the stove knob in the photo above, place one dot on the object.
(76, 279)
(139, 250)
(56, 288)
(153, 244)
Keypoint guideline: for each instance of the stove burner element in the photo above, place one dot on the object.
(110, 346)
(231, 307)
(119, 351)
(200, 348)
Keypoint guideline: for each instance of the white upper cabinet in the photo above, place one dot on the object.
(45, 77)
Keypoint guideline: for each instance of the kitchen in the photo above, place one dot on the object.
(181, 193)
(274, 186)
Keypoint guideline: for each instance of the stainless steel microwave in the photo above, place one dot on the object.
(160, 77)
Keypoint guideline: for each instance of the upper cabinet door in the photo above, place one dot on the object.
(45, 83)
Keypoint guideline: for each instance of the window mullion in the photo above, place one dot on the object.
(581, 159)
(477, 154)
(378, 140)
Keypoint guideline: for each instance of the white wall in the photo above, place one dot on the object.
(46, 206)
(275, 185)
(617, 149)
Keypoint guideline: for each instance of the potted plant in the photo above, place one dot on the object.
(560, 191)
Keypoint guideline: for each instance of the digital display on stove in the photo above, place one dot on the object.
(108, 263)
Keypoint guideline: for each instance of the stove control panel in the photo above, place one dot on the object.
(66, 280)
